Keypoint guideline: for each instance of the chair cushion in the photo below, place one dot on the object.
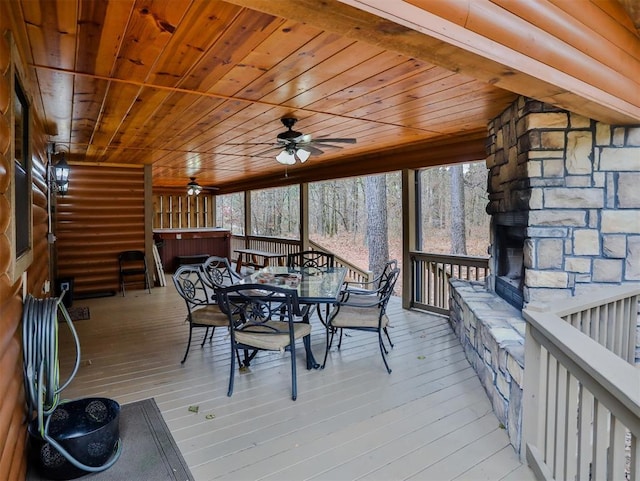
(349, 316)
(272, 341)
(210, 315)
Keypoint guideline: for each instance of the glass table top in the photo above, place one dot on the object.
(314, 285)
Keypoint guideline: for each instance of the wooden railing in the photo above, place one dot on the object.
(430, 274)
(263, 243)
(288, 246)
(354, 273)
(581, 406)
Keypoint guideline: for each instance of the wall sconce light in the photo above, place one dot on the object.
(61, 176)
(58, 172)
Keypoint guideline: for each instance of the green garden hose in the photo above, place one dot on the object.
(42, 369)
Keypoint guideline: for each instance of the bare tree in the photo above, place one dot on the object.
(377, 238)
(458, 228)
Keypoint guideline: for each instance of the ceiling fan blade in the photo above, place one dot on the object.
(335, 140)
(251, 143)
(269, 150)
(314, 150)
(326, 146)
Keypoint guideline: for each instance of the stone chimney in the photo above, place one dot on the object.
(574, 185)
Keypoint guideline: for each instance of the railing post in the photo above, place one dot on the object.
(531, 415)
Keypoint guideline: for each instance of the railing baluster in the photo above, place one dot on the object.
(560, 440)
(552, 413)
(616, 451)
(571, 428)
(584, 433)
(634, 463)
(600, 441)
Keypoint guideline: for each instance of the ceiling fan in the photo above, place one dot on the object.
(193, 188)
(297, 146)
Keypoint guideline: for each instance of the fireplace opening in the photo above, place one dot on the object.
(509, 281)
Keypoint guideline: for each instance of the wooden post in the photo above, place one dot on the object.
(304, 216)
(148, 221)
(212, 214)
(247, 218)
(409, 229)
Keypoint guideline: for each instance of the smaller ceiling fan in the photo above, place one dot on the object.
(297, 146)
(193, 188)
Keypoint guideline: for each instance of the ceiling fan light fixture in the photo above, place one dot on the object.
(193, 188)
(286, 158)
(303, 155)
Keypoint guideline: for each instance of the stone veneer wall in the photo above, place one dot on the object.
(491, 332)
(578, 181)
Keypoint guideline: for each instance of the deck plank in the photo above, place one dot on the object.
(351, 420)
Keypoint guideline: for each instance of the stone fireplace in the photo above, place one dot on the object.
(565, 219)
(509, 233)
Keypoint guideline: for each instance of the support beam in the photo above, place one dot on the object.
(247, 217)
(304, 216)
(409, 228)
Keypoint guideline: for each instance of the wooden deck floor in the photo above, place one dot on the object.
(429, 420)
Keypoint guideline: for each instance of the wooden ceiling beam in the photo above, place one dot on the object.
(486, 41)
(469, 147)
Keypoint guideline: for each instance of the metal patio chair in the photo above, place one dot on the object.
(262, 318)
(202, 311)
(363, 313)
(369, 287)
(310, 259)
(217, 272)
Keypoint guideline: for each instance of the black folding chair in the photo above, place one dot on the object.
(133, 264)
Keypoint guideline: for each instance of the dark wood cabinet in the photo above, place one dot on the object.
(174, 244)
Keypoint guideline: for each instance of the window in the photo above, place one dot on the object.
(230, 212)
(276, 212)
(435, 222)
(22, 197)
(338, 217)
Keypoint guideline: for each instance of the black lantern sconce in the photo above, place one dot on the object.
(59, 171)
(61, 175)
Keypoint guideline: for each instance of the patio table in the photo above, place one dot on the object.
(321, 285)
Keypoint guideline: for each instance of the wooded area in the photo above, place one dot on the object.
(339, 219)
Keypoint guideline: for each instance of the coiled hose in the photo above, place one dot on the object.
(42, 368)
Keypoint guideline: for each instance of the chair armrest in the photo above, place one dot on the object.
(375, 301)
(361, 284)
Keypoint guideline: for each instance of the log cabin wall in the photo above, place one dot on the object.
(102, 215)
(13, 433)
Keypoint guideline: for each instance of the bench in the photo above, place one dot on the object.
(193, 259)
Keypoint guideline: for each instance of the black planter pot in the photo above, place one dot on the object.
(87, 429)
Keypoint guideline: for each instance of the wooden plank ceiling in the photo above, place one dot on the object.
(190, 86)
